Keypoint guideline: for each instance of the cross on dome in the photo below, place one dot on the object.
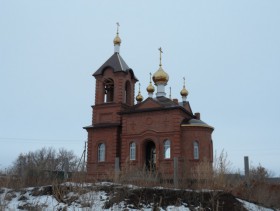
(160, 52)
(118, 25)
(160, 76)
(117, 40)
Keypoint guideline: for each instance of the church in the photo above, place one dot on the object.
(149, 134)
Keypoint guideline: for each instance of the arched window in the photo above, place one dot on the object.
(132, 151)
(167, 151)
(108, 90)
(101, 152)
(195, 150)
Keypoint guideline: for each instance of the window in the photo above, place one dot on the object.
(101, 152)
(108, 90)
(195, 150)
(167, 153)
(132, 151)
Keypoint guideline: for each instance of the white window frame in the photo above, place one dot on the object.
(132, 151)
(101, 152)
(196, 150)
(167, 149)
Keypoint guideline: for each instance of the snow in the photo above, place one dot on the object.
(16, 202)
(253, 207)
(93, 200)
(90, 200)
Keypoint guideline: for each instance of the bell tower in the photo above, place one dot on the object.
(115, 85)
(114, 92)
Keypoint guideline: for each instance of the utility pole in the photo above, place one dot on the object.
(85, 150)
(246, 168)
(83, 157)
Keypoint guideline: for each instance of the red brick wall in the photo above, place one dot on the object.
(203, 136)
(108, 136)
(156, 126)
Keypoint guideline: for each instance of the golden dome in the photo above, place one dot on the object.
(150, 88)
(160, 76)
(139, 97)
(184, 92)
(117, 40)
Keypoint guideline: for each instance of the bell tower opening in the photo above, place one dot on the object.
(150, 151)
(108, 90)
(127, 93)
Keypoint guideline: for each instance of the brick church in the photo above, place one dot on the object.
(148, 134)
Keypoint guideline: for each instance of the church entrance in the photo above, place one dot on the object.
(150, 151)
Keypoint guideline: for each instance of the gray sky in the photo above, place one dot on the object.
(227, 50)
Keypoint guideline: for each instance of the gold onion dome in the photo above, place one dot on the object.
(139, 97)
(117, 40)
(184, 92)
(150, 88)
(160, 76)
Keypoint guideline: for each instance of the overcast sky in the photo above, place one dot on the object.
(229, 52)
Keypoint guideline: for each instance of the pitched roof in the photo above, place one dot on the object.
(165, 102)
(195, 122)
(159, 104)
(117, 63)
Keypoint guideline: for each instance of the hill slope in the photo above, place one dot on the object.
(110, 196)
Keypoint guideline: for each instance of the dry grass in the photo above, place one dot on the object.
(203, 176)
(206, 178)
(139, 176)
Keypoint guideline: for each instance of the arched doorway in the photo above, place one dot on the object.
(150, 152)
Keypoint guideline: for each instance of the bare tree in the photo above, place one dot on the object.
(43, 165)
(259, 173)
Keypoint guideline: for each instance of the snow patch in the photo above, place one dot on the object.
(253, 207)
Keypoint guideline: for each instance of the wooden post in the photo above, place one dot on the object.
(66, 168)
(175, 179)
(246, 167)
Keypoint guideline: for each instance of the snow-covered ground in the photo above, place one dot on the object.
(92, 201)
(79, 197)
(253, 207)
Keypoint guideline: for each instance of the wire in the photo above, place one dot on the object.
(32, 140)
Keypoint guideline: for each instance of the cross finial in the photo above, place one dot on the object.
(150, 77)
(184, 81)
(160, 52)
(118, 25)
(139, 87)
